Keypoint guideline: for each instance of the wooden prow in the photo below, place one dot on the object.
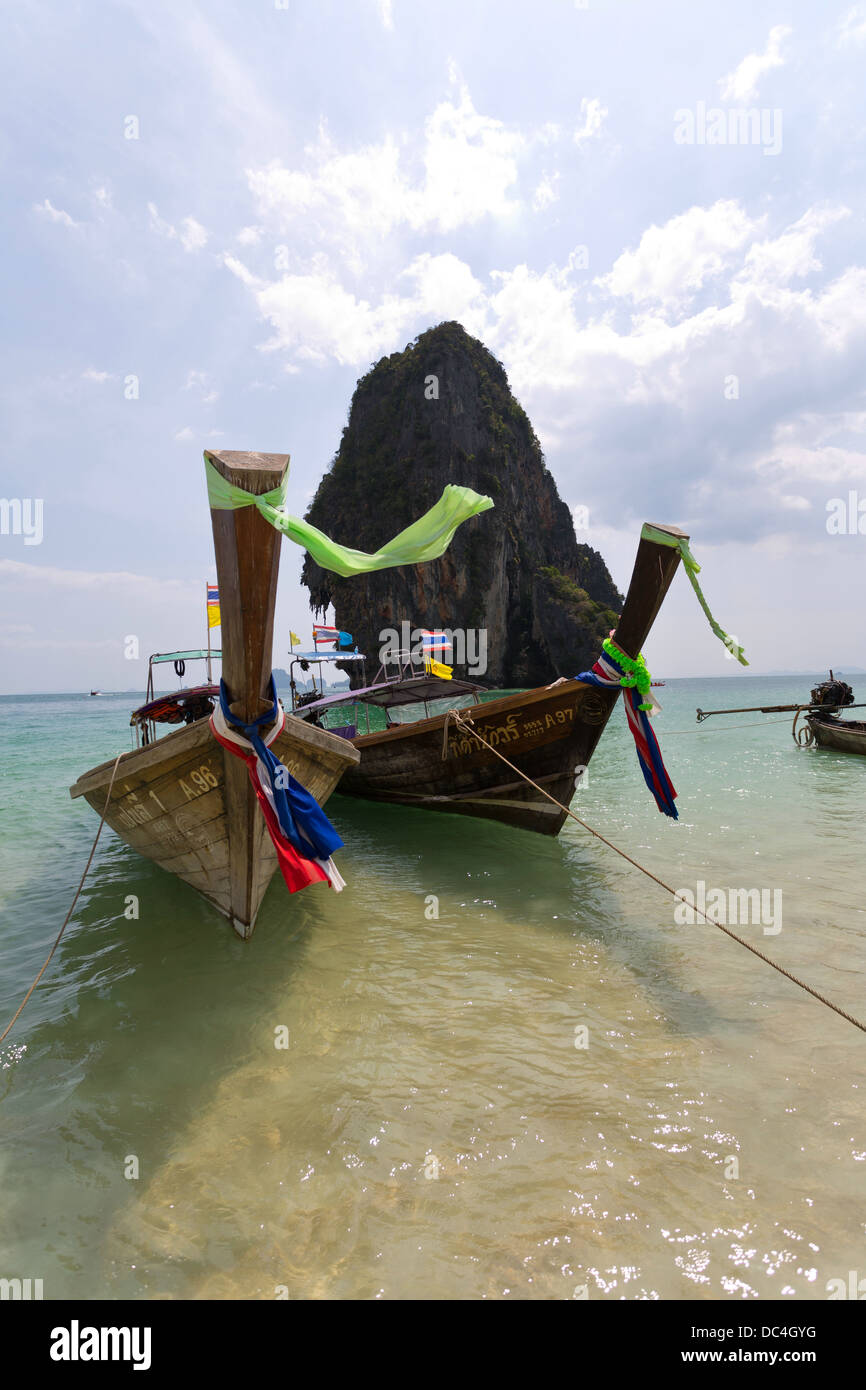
(654, 567)
(247, 552)
(248, 561)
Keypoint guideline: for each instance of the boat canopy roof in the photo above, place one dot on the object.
(170, 709)
(184, 656)
(396, 692)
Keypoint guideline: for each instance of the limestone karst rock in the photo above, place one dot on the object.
(518, 570)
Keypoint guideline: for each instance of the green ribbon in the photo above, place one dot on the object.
(692, 568)
(636, 672)
(426, 539)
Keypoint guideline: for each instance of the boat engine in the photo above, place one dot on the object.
(833, 693)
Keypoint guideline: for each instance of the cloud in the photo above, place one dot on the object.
(546, 192)
(386, 12)
(742, 83)
(249, 236)
(192, 236)
(19, 575)
(47, 209)
(673, 262)
(91, 374)
(852, 28)
(200, 382)
(468, 168)
(593, 116)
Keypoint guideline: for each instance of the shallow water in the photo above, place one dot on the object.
(432, 1130)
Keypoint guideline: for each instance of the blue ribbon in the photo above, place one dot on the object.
(301, 818)
(655, 774)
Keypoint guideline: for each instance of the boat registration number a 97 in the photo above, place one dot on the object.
(515, 729)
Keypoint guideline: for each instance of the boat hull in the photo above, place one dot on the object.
(846, 736)
(189, 806)
(549, 734)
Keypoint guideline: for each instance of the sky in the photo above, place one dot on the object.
(218, 216)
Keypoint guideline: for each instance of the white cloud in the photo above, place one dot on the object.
(47, 209)
(852, 29)
(742, 83)
(200, 382)
(185, 435)
(249, 236)
(468, 163)
(20, 575)
(593, 116)
(673, 262)
(386, 12)
(158, 224)
(546, 192)
(91, 374)
(193, 235)
(792, 254)
(103, 197)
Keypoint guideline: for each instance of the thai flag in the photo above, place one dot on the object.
(435, 641)
(608, 674)
(301, 833)
(325, 635)
(213, 593)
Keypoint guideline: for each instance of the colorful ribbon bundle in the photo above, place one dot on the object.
(616, 670)
(302, 835)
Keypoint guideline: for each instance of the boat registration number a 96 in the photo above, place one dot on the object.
(202, 779)
(195, 783)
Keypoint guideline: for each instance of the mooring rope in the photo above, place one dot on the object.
(20, 1009)
(467, 726)
(724, 728)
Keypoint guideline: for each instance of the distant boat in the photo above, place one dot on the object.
(184, 800)
(549, 734)
(822, 725)
(96, 692)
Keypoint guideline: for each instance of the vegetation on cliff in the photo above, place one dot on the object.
(442, 412)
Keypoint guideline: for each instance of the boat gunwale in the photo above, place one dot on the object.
(138, 759)
(528, 697)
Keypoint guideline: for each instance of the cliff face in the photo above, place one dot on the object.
(518, 571)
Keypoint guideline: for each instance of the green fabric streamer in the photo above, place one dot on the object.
(426, 539)
(692, 568)
(637, 673)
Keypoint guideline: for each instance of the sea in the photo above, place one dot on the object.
(497, 1066)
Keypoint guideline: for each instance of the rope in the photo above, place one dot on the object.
(20, 1009)
(466, 724)
(724, 728)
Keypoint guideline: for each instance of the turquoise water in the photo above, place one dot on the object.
(432, 1130)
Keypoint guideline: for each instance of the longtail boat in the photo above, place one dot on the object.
(238, 791)
(184, 800)
(549, 734)
(821, 723)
